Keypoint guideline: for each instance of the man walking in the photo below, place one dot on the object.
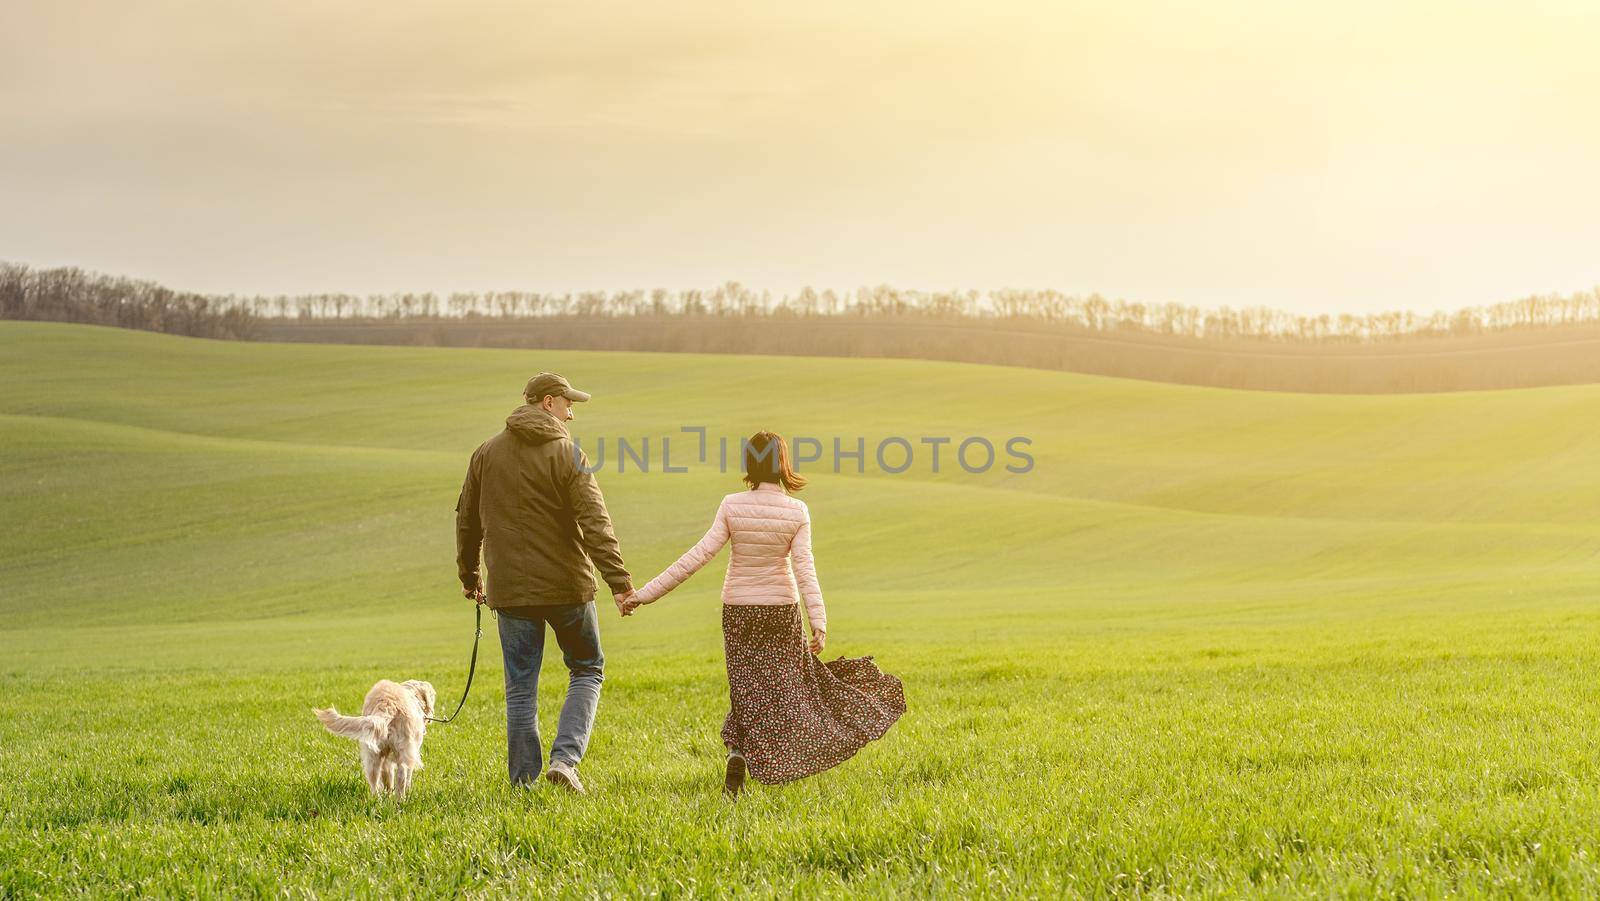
(532, 505)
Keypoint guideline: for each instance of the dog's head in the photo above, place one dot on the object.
(424, 693)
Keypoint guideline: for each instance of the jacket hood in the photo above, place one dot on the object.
(533, 424)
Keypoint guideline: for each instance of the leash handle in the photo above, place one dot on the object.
(472, 668)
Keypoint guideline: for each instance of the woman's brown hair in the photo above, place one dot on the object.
(766, 459)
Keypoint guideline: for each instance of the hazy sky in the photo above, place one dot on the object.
(1311, 156)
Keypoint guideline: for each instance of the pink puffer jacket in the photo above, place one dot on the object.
(769, 529)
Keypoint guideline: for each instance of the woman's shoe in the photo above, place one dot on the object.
(733, 779)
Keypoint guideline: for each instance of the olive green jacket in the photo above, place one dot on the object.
(536, 511)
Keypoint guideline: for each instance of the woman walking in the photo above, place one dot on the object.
(791, 715)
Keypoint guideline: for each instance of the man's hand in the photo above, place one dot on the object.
(475, 593)
(819, 639)
(631, 603)
(623, 599)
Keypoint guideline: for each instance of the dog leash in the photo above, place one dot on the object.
(471, 668)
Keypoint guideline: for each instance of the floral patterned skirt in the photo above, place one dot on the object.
(791, 715)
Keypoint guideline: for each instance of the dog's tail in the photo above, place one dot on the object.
(368, 730)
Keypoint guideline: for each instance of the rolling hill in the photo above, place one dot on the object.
(1210, 641)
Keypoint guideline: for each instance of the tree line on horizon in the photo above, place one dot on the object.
(71, 294)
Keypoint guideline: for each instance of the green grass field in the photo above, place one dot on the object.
(1214, 643)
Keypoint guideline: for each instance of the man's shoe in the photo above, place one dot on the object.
(561, 773)
(733, 779)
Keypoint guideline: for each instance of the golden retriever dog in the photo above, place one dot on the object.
(389, 732)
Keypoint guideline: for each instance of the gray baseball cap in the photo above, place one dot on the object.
(548, 383)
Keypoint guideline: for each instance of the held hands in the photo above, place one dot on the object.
(629, 602)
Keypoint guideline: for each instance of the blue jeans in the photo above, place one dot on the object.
(522, 645)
